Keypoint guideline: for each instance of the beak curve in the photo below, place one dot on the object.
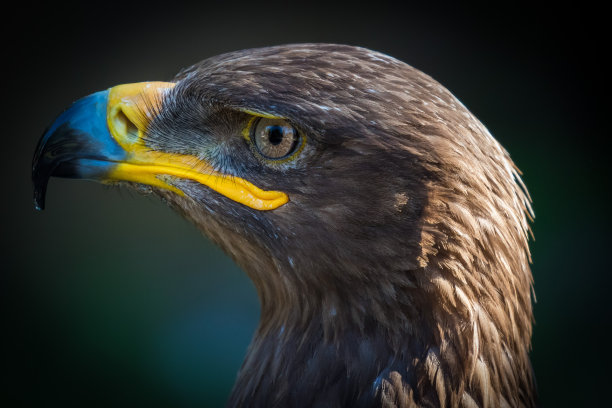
(100, 137)
(74, 143)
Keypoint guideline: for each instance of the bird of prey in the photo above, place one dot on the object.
(384, 228)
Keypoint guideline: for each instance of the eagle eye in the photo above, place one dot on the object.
(275, 139)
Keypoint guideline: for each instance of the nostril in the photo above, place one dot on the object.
(124, 127)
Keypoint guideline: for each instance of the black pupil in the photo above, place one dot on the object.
(275, 134)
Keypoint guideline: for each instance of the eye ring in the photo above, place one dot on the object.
(275, 139)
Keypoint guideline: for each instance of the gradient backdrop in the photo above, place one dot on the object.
(110, 299)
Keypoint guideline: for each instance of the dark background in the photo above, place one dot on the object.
(110, 299)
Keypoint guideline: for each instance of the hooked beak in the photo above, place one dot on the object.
(100, 137)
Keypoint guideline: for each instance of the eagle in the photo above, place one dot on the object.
(385, 230)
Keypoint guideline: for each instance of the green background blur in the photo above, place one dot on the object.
(110, 299)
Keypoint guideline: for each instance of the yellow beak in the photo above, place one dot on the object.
(129, 113)
(78, 145)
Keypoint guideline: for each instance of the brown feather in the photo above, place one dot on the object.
(400, 272)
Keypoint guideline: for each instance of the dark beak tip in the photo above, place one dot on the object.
(77, 138)
(41, 172)
(40, 190)
(39, 202)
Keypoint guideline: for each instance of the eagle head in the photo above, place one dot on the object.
(383, 226)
